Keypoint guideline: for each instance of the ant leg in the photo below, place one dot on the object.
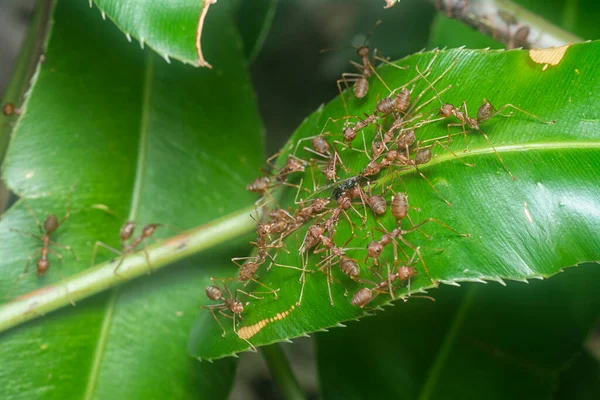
(66, 247)
(31, 257)
(107, 247)
(418, 229)
(497, 112)
(271, 290)
(302, 278)
(212, 311)
(249, 294)
(389, 279)
(497, 154)
(430, 85)
(25, 272)
(37, 221)
(464, 132)
(437, 221)
(68, 212)
(384, 60)
(437, 142)
(418, 251)
(57, 254)
(27, 234)
(270, 159)
(434, 189)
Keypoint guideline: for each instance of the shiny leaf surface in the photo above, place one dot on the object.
(531, 227)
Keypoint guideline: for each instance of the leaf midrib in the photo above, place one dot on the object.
(133, 213)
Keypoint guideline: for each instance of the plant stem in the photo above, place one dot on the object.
(507, 23)
(25, 68)
(102, 276)
(281, 372)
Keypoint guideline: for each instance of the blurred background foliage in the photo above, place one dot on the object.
(292, 77)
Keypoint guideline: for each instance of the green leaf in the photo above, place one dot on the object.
(533, 227)
(473, 342)
(254, 20)
(155, 143)
(169, 27)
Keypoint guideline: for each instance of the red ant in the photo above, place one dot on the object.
(51, 225)
(128, 243)
(375, 247)
(486, 111)
(365, 70)
(229, 303)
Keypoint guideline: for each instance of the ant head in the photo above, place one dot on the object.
(127, 230)
(294, 165)
(263, 230)
(42, 266)
(446, 110)
(9, 109)
(330, 171)
(237, 307)
(149, 230)
(349, 134)
(377, 148)
(51, 224)
(373, 168)
(318, 229)
(374, 248)
(363, 51)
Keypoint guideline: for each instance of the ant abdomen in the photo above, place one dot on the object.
(213, 292)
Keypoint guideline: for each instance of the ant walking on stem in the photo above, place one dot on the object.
(129, 243)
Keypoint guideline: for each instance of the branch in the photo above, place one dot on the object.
(507, 23)
(281, 372)
(102, 277)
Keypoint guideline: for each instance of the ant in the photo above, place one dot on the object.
(365, 70)
(485, 112)
(229, 303)
(51, 225)
(375, 247)
(403, 273)
(128, 243)
(349, 267)
(9, 109)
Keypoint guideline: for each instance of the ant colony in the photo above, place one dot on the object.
(348, 224)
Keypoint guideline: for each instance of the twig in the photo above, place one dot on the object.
(282, 373)
(102, 276)
(507, 23)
